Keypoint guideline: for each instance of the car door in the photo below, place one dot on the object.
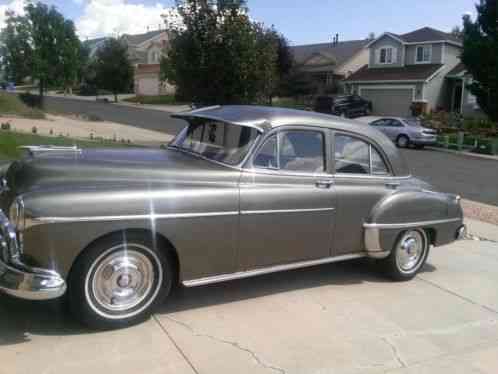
(287, 200)
(362, 177)
(381, 125)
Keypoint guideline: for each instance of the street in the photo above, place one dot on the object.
(339, 318)
(473, 178)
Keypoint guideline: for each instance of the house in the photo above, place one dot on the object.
(145, 52)
(327, 64)
(421, 67)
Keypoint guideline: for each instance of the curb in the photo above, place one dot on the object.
(463, 153)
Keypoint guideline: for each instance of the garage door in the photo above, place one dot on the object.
(148, 86)
(389, 102)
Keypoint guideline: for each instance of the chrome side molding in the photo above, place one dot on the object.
(407, 225)
(268, 270)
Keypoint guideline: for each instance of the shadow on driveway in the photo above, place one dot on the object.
(19, 318)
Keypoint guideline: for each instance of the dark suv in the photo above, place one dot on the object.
(345, 105)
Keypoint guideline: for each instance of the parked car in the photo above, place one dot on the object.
(406, 131)
(344, 105)
(241, 191)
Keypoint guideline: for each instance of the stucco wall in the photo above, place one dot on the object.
(411, 52)
(386, 41)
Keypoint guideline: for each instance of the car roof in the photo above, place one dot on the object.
(265, 118)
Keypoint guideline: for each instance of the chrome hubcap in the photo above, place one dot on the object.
(403, 142)
(122, 280)
(410, 251)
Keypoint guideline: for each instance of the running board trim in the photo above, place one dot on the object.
(268, 270)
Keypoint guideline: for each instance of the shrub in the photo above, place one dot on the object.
(5, 126)
(33, 101)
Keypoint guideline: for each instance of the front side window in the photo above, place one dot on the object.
(424, 53)
(300, 151)
(355, 156)
(218, 141)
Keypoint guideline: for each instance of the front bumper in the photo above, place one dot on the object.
(20, 280)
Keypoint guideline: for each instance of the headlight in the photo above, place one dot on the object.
(16, 214)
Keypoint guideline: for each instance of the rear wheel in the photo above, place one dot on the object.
(118, 281)
(408, 256)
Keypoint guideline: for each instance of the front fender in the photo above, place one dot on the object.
(439, 214)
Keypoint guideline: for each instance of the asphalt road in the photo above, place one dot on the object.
(149, 119)
(472, 178)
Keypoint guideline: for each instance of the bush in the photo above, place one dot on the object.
(33, 101)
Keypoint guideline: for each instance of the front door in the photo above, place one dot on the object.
(362, 179)
(287, 201)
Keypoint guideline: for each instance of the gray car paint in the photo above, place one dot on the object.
(260, 217)
(415, 133)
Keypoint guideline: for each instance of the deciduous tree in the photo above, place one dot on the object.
(480, 56)
(113, 70)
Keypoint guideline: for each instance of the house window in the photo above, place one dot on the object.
(424, 53)
(386, 55)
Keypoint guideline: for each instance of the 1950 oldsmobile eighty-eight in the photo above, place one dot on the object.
(241, 191)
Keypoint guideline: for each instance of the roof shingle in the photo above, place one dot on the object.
(410, 72)
(428, 34)
(340, 52)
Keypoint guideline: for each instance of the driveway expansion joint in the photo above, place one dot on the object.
(176, 345)
(236, 345)
(485, 307)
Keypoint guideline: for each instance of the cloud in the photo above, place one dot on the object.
(117, 17)
(16, 5)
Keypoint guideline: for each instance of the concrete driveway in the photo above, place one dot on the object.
(340, 318)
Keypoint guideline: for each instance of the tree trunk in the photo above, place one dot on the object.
(115, 97)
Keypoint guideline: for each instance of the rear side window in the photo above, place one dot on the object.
(300, 151)
(356, 156)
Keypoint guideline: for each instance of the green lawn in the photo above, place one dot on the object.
(10, 104)
(155, 100)
(11, 141)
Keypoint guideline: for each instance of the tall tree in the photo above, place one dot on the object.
(480, 56)
(15, 50)
(54, 45)
(219, 55)
(113, 70)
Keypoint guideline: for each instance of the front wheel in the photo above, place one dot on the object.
(408, 256)
(117, 281)
(403, 141)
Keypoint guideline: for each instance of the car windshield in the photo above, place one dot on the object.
(217, 141)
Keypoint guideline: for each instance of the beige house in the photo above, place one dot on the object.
(328, 64)
(145, 52)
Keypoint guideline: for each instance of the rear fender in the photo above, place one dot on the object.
(439, 214)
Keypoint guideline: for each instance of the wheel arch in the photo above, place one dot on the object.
(163, 244)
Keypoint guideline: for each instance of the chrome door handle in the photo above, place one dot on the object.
(324, 183)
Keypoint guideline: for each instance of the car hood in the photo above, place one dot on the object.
(125, 167)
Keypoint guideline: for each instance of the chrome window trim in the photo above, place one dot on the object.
(409, 224)
(268, 270)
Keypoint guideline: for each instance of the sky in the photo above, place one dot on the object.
(302, 22)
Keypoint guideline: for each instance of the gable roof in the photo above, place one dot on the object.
(340, 52)
(423, 35)
(406, 73)
(140, 38)
(428, 34)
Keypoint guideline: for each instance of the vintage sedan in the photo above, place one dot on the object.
(241, 191)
